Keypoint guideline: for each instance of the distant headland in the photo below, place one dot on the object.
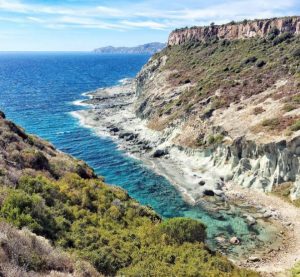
(149, 48)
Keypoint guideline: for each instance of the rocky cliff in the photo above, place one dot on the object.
(231, 31)
(233, 103)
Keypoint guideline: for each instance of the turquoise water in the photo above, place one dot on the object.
(37, 91)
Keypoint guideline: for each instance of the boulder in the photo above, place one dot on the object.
(114, 129)
(130, 137)
(234, 240)
(253, 259)
(267, 214)
(124, 134)
(208, 192)
(251, 220)
(159, 153)
(201, 183)
(220, 239)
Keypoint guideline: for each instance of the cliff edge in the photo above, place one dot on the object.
(241, 30)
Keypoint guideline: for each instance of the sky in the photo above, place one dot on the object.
(76, 25)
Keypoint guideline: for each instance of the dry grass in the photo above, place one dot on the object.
(23, 253)
(278, 124)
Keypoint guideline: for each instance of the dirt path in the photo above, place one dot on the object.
(275, 263)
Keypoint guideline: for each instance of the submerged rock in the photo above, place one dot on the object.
(234, 240)
(251, 220)
(220, 239)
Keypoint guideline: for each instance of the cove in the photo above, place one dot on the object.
(37, 91)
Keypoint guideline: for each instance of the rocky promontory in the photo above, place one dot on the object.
(148, 48)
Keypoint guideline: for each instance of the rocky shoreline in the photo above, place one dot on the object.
(111, 113)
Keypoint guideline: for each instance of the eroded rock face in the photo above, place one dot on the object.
(261, 166)
(247, 29)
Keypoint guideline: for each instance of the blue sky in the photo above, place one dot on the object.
(73, 25)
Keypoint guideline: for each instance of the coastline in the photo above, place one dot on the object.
(111, 114)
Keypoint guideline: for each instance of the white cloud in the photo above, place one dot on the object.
(147, 24)
(149, 14)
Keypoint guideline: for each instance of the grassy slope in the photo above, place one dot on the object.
(61, 199)
(237, 69)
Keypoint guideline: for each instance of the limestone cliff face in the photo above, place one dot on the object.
(260, 28)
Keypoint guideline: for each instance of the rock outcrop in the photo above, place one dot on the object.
(231, 31)
(259, 166)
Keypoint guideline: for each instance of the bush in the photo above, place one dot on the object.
(215, 139)
(289, 107)
(270, 122)
(24, 210)
(252, 59)
(180, 230)
(296, 53)
(296, 270)
(273, 33)
(260, 63)
(296, 126)
(35, 159)
(258, 110)
(281, 38)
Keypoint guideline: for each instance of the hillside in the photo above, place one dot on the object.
(149, 48)
(54, 200)
(230, 94)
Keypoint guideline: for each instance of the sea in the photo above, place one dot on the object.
(39, 91)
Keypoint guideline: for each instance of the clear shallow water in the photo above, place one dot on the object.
(37, 91)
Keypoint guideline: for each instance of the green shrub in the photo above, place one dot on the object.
(270, 122)
(180, 230)
(296, 53)
(289, 107)
(296, 270)
(281, 38)
(260, 63)
(296, 99)
(273, 33)
(22, 209)
(215, 139)
(296, 126)
(251, 59)
(34, 159)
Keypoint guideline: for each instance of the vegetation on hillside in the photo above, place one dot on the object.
(296, 270)
(223, 72)
(60, 199)
(24, 254)
(284, 191)
(103, 225)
